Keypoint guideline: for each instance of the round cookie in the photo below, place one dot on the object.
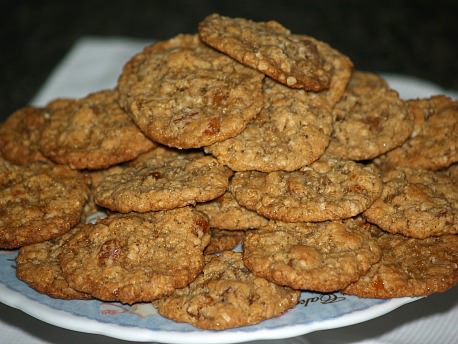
(416, 203)
(167, 179)
(328, 189)
(184, 94)
(226, 295)
(222, 240)
(433, 144)
(92, 133)
(225, 213)
(136, 257)
(20, 135)
(38, 266)
(323, 257)
(371, 119)
(410, 267)
(269, 48)
(292, 130)
(38, 202)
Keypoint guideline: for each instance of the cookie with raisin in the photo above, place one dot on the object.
(227, 295)
(136, 257)
(184, 94)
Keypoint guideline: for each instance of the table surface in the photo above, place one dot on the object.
(418, 38)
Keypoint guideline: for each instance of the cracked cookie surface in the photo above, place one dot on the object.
(184, 94)
(136, 257)
(324, 257)
(410, 267)
(269, 48)
(39, 202)
(433, 144)
(38, 266)
(328, 189)
(371, 119)
(92, 132)
(165, 179)
(227, 295)
(416, 203)
(292, 130)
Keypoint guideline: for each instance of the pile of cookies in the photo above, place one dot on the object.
(243, 136)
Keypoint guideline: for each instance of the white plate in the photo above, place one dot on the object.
(141, 323)
(87, 62)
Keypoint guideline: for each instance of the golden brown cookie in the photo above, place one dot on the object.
(269, 48)
(167, 179)
(416, 203)
(184, 94)
(225, 213)
(136, 257)
(92, 132)
(227, 295)
(38, 266)
(328, 189)
(38, 202)
(292, 130)
(410, 267)
(20, 135)
(223, 240)
(371, 119)
(324, 257)
(433, 144)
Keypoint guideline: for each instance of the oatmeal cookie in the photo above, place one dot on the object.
(92, 133)
(323, 257)
(292, 130)
(223, 240)
(38, 266)
(433, 144)
(20, 135)
(410, 267)
(416, 203)
(269, 48)
(38, 202)
(328, 189)
(225, 213)
(226, 295)
(168, 179)
(136, 257)
(371, 119)
(184, 94)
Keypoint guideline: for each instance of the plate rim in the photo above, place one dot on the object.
(79, 323)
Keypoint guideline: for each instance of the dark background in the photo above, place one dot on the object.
(418, 38)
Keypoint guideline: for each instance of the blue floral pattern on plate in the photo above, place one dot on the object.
(315, 311)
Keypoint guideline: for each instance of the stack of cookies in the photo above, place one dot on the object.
(230, 170)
